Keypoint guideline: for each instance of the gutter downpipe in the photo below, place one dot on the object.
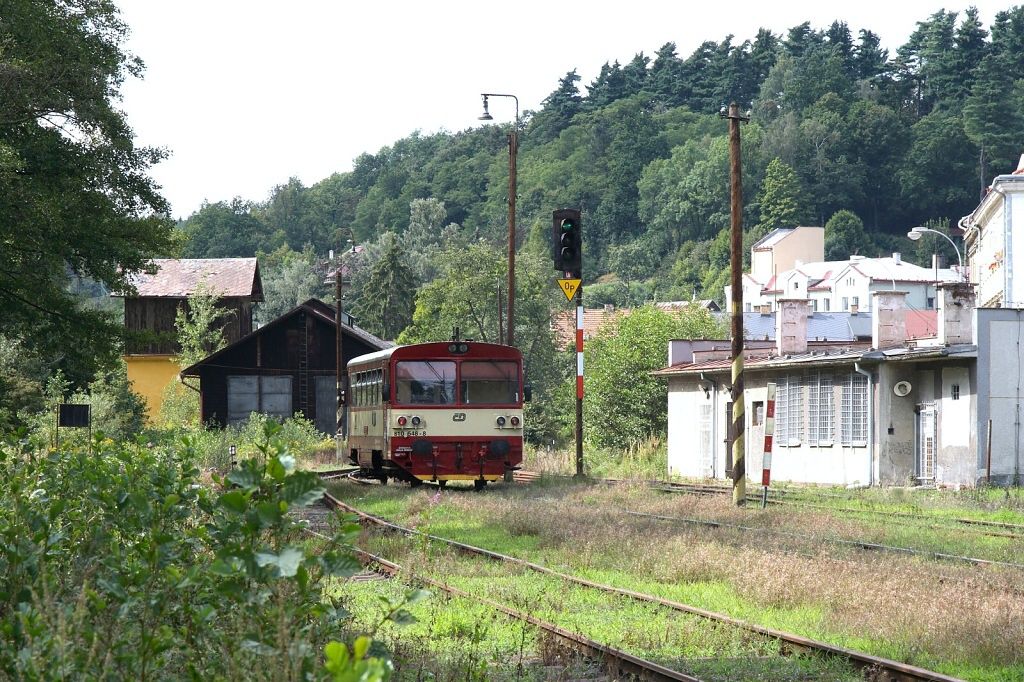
(714, 423)
(871, 422)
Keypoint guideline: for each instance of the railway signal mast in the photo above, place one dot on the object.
(567, 253)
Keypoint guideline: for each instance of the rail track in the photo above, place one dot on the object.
(979, 526)
(614, 661)
(857, 544)
(1012, 529)
(876, 667)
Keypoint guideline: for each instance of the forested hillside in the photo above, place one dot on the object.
(837, 124)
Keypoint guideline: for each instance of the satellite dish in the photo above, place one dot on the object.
(902, 388)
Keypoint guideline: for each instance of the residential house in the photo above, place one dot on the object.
(286, 366)
(993, 254)
(892, 413)
(151, 344)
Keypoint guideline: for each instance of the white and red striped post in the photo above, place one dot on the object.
(769, 433)
(579, 381)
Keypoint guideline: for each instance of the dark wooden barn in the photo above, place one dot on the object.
(284, 367)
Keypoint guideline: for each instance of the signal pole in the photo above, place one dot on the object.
(567, 253)
(739, 482)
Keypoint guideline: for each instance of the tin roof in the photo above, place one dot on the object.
(823, 358)
(180, 277)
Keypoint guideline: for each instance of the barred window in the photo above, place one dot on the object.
(821, 409)
(855, 410)
(789, 411)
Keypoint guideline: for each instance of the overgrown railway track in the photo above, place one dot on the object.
(875, 667)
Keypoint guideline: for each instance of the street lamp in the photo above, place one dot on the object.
(916, 232)
(513, 149)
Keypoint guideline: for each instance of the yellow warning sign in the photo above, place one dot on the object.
(569, 287)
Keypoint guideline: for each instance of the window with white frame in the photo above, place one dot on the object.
(820, 409)
(854, 429)
(846, 303)
(789, 411)
(828, 304)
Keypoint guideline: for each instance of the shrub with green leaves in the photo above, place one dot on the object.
(119, 564)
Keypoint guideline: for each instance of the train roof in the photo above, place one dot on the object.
(440, 349)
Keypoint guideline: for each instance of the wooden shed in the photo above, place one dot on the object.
(284, 367)
(149, 314)
(151, 345)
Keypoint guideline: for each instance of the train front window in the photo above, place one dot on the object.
(425, 382)
(492, 382)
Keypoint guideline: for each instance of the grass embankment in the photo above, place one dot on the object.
(962, 620)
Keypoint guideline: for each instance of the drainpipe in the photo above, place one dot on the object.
(871, 422)
(714, 423)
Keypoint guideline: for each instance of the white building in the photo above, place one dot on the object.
(841, 286)
(993, 252)
(894, 413)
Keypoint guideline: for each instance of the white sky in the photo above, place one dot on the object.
(245, 94)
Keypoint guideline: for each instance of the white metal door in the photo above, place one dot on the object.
(926, 436)
(706, 442)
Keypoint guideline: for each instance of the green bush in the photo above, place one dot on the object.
(118, 564)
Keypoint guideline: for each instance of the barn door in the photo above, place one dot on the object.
(327, 405)
(926, 436)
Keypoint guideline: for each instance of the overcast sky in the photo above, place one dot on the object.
(245, 94)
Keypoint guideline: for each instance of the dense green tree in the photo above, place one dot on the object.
(625, 404)
(559, 109)
(22, 375)
(291, 278)
(227, 230)
(391, 285)
(869, 59)
(75, 197)
(933, 174)
(992, 117)
(845, 236)
(782, 200)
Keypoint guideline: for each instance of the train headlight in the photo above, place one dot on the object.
(416, 421)
(402, 421)
(514, 421)
(501, 422)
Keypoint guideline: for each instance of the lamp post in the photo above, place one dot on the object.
(916, 232)
(513, 150)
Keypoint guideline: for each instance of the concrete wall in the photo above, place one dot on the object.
(1000, 381)
(149, 375)
(805, 244)
(827, 465)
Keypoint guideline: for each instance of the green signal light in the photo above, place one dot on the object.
(568, 226)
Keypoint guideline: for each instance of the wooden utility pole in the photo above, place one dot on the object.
(739, 482)
(339, 356)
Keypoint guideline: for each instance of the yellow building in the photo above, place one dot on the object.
(149, 313)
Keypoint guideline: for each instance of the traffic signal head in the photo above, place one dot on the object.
(567, 240)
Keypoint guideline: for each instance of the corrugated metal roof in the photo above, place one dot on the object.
(842, 356)
(179, 278)
(821, 326)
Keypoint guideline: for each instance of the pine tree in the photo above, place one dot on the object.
(781, 198)
(387, 303)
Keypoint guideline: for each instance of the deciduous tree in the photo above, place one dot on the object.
(75, 196)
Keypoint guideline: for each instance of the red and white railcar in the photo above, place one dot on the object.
(437, 412)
